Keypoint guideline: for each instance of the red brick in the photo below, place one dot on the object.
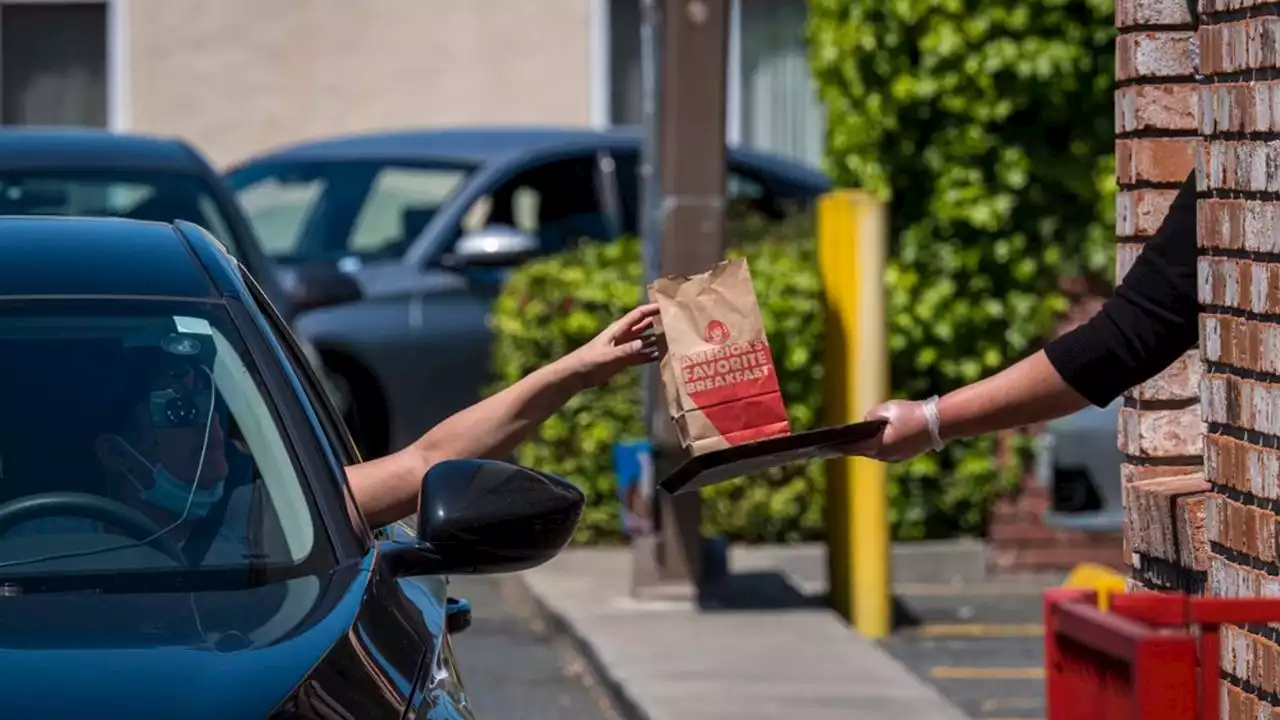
(1140, 212)
(1161, 433)
(1243, 528)
(1157, 107)
(1135, 473)
(1228, 580)
(1249, 657)
(1239, 283)
(1013, 558)
(1217, 6)
(1162, 54)
(1232, 224)
(1248, 165)
(1241, 343)
(1169, 529)
(1152, 12)
(1242, 403)
(1155, 160)
(1241, 466)
(1239, 107)
(1126, 254)
(1021, 531)
(1238, 46)
(1179, 381)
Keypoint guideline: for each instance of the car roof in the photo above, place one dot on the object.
(76, 256)
(462, 145)
(483, 145)
(35, 148)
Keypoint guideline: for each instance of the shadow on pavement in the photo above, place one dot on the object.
(771, 590)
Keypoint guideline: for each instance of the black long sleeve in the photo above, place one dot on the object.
(1150, 321)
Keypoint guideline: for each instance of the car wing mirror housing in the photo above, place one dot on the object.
(483, 517)
(493, 246)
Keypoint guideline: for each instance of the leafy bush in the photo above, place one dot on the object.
(988, 124)
(551, 306)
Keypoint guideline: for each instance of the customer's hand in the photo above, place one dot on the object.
(625, 343)
(905, 436)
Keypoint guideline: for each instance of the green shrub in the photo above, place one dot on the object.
(988, 124)
(554, 305)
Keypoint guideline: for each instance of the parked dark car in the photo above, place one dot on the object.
(95, 173)
(130, 348)
(427, 223)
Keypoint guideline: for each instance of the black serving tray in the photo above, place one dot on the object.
(718, 466)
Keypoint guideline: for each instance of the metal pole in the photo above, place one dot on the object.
(689, 214)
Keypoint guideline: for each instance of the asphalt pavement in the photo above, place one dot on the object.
(514, 665)
(981, 644)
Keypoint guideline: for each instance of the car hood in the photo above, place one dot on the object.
(234, 654)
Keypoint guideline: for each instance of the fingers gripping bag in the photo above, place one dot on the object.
(717, 374)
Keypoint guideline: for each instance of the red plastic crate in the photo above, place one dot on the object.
(1153, 656)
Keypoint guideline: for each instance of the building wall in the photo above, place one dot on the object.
(1161, 428)
(240, 76)
(1240, 330)
(1220, 527)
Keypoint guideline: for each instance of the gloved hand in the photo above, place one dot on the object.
(905, 436)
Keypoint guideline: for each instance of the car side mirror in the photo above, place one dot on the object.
(483, 517)
(319, 285)
(492, 246)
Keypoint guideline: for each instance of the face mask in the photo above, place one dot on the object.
(172, 494)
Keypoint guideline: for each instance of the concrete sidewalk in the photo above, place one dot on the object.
(769, 650)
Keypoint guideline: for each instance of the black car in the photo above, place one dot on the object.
(177, 536)
(96, 173)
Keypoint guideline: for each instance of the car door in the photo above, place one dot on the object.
(557, 200)
(403, 626)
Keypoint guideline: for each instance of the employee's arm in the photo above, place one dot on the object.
(1148, 323)
(386, 489)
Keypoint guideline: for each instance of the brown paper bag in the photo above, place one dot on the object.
(718, 374)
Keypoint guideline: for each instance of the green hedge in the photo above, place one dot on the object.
(549, 307)
(988, 124)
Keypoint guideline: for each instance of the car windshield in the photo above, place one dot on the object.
(139, 195)
(139, 451)
(328, 211)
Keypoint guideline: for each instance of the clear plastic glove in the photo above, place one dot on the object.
(906, 435)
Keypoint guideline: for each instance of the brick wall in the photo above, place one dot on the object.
(1239, 285)
(1216, 529)
(1161, 430)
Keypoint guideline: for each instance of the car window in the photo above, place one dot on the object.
(156, 196)
(400, 203)
(155, 414)
(308, 211)
(743, 192)
(336, 431)
(558, 202)
(278, 208)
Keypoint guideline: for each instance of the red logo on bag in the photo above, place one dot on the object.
(717, 333)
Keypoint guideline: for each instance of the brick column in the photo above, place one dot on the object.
(1161, 431)
(1239, 272)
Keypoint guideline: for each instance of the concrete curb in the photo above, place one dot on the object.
(625, 705)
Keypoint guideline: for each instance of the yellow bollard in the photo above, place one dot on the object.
(1099, 578)
(852, 247)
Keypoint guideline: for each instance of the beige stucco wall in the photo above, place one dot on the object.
(240, 76)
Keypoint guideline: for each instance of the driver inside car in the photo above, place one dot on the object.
(166, 455)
